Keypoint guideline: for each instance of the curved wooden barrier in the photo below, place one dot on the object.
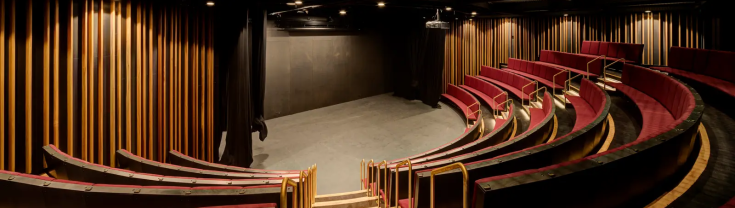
(176, 158)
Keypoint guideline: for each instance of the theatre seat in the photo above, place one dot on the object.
(588, 104)
(539, 72)
(498, 123)
(613, 51)
(266, 205)
(485, 91)
(404, 203)
(465, 102)
(576, 63)
(511, 82)
(729, 204)
(713, 68)
(176, 158)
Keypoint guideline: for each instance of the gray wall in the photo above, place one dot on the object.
(306, 70)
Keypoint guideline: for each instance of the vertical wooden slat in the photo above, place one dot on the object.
(118, 70)
(29, 86)
(159, 98)
(113, 81)
(90, 87)
(150, 82)
(100, 86)
(170, 79)
(69, 80)
(56, 73)
(128, 54)
(202, 77)
(177, 105)
(186, 85)
(2, 85)
(210, 99)
(11, 89)
(138, 57)
(46, 73)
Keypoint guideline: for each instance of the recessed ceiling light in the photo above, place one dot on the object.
(474, 13)
(449, 8)
(470, 19)
(566, 15)
(342, 12)
(648, 11)
(381, 4)
(210, 3)
(298, 2)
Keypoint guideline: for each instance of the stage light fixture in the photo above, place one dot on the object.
(437, 24)
(298, 2)
(448, 8)
(648, 11)
(474, 13)
(342, 12)
(566, 15)
(381, 4)
(210, 3)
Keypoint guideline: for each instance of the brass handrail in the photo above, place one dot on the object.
(536, 93)
(553, 79)
(469, 112)
(457, 165)
(362, 183)
(284, 201)
(523, 89)
(410, 170)
(377, 181)
(604, 72)
(369, 167)
(302, 176)
(504, 102)
(588, 65)
(496, 106)
(313, 183)
(567, 84)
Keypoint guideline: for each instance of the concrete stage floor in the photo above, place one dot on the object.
(337, 137)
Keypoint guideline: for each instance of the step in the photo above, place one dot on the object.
(340, 196)
(361, 202)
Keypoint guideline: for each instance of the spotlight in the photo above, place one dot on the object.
(449, 8)
(470, 19)
(381, 4)
(648, 11)
(342, 12)
(474, 13)
(298, 2)
(566, 15)
(210, 3)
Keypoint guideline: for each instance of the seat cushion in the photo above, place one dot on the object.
(403, 203)
(507, 87)
(722, 85)
(537, 115)
(498, 123)
(656, 118)
(461, 106)
(584, 111)
(484, 97)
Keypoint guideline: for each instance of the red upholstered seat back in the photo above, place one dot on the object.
(721, 65)
(508, 78)
(485, 87)
(546, 104)
(586, 47)
(629, 51)
(593, 94)
(572, 60)
(543, 71)
(717, 64)
(594, 47)
(670, 93)
(463, 96)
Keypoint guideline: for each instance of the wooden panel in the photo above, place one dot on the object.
(137, 81)
(11, 89)
(113, 82)
(150, 83)
(186, 85)
(100, 86)
(210, 99)
(128, 105)
(46, 72)
(29, 86)
(56, 74)
(70, 79)
(90, 82)
(2, 85)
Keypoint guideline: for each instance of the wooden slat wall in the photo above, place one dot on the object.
(111, 74)
(470, 44)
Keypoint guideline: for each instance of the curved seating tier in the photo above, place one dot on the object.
(534, 135)
(467, 104)
(574, 145)
(23, 190)
(709, 67)
(549, 76)
(617, 175)
(266, 205)
(576, 63)
(729, 204)
(176, 158)
(516, 84)
(632, 53)
(489, 93)
(588, 104)
(63, 166)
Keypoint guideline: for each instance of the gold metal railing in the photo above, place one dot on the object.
(312, 181)
(362, 172)
(567, 86)
(303, 187)
(588, 64)
(385, 182)
(410, 171)
(523, 92)
(284, 200)
(569, 74)
(369, 171)
(507, 103)
(604, 71)
(470, 112)
(496, 106)
(458, 165)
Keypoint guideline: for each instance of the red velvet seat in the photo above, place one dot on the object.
(576, 63)
(485, 91)
(512, 82)
(729, 204)
(266, 205)
(588, 104)
(539, 72)
(498, 123)
(404, 203)
(710, 67)
(613, 51)
(462, 99)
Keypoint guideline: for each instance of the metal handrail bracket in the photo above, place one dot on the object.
(457, 165)
(410, 171)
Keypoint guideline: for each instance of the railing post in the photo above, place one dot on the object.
(458, 165)
(410, 172)
(284, 200)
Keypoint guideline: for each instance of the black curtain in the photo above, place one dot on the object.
(257, 79)
(233, 45)
(418, 68)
